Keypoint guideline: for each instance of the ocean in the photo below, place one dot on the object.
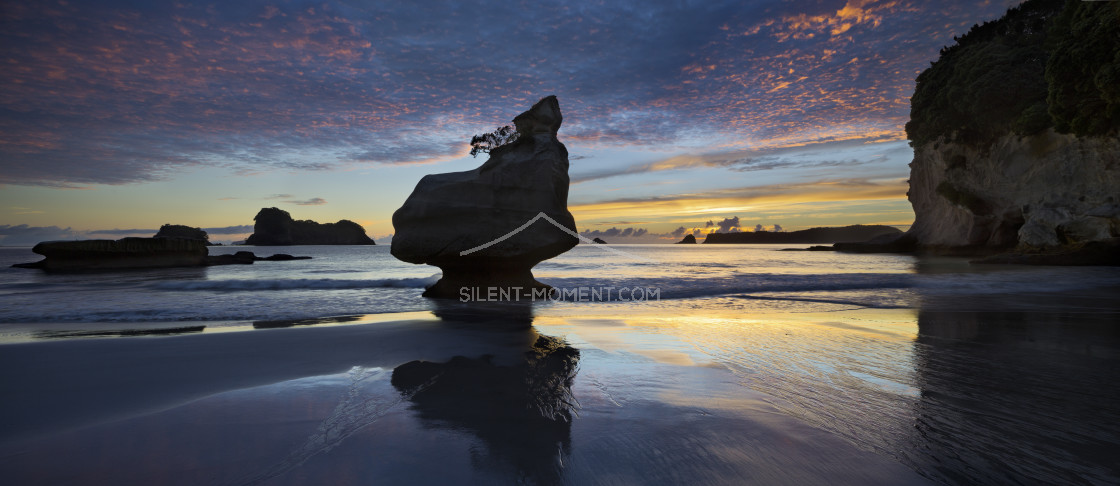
(360, 280)
(869, 368)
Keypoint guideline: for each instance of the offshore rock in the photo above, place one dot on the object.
(182, 231)
(478, 226)
(94, 255)
(275, 227)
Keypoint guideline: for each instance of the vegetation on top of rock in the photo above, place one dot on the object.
(489, 141)
(1083, 71)
(182, 231)
(1044, 63)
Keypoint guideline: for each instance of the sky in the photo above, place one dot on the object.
(118, 116)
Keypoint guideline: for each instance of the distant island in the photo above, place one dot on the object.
(275, 227)
(688, 239)
(842, 234)
(182, 231)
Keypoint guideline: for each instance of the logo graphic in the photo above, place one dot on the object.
(563, 228)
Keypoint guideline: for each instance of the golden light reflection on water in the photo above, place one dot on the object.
(844, 371)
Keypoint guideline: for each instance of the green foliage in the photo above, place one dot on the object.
(1083, 70)
(490, 141)
(991, 81)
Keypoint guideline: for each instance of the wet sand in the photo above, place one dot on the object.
(553, 396)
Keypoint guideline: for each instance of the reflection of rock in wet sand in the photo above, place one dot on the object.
(522, 411)
(1017, 397)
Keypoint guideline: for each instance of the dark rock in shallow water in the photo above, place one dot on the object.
(1103, 253)
(599, 241)
(93, 255)
(489, 226)
(884, 244)
(130, 253)
(688, 239)
(811, 248)
(248, 257)
(275, 227)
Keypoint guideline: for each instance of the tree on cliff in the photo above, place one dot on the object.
(489, 141)
(988, 83)
(1046, 63)
(1083, 71)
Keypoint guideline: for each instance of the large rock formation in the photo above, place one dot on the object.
(484, 227)
(181, 231)
(1016, 130)
(689, 239)
(1040, 191)
(275, 227)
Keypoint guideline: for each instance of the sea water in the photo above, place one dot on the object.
(359, 280)
(959, 373)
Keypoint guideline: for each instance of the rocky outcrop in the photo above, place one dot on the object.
(599, 241)
(1017, 137)
(93, 255)
(840, 234)
(181, 231)
(275, 227)
(132, 253)
(489, 226)
(688, 239)
(1038, 192)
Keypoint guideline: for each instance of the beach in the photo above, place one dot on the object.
(752, 365)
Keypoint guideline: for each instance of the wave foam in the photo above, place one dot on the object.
(298, 284)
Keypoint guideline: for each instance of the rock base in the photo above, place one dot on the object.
(486, 285)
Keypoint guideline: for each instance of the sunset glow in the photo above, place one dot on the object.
(117, 117)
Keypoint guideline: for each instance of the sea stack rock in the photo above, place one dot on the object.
(181, 231)
(689, 239)
(486, 228)
(275, 227)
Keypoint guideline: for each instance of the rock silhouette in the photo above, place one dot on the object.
(475, 225)
(182, 231)
(275, 227)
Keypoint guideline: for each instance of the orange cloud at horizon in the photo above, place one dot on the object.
(782, 201)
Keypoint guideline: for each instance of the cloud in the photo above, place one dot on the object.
(124, 232)
(729, 225)
(230, 230)
(24, 235)
(315, 201)
(613, 232)
(741, 199)
(802, 155)
(121, 92)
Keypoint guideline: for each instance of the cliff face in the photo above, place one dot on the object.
(1016, 130)
(275, 227)
(1037, 191)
